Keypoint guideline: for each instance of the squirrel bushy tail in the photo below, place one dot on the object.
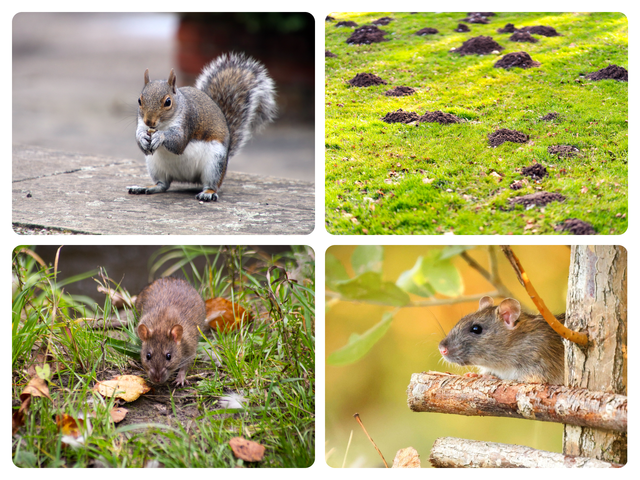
(244, 92)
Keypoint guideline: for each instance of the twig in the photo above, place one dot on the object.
(459, 452)
(480, 396)
(576, 337)
(357, 417)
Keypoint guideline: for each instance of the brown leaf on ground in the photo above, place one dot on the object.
(118, 414)
(126, 387)
(406, 458)
(224, 315)
(246, 449)
(68, 425)
(35, 388)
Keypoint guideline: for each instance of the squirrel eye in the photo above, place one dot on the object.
(148, 355)
(168, 356)
(477, 329)
(140, 101)
(167, 102)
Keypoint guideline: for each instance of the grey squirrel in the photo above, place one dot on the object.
(188, 134)
(507, 343)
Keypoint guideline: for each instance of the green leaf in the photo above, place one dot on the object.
(413, 281)
(369, 286)
(129, 349)
(442, 275)
(44, 372)
(359, 345)
(367, 258)
(334, 271)
(453, 250)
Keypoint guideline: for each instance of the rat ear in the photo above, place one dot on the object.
(176, 333)
(485, 302)
(172, 80)
(146, 76)
(143, 332)
(509, 311)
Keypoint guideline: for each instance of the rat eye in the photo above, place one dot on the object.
(167, 102)
(148, 355)
(168, 356)
(477, 329)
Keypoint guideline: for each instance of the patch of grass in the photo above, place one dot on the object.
(268, 363)
(430, 179)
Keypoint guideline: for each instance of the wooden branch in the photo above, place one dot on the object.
(459, 452)
(564, 332)
(482, 396)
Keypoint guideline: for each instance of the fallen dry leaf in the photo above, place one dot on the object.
(118, 414)
(246, 449)
(224, 315)
(35, 388)
(126, 387)
(406, 458)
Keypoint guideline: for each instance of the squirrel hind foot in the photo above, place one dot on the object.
(157, 188)
(207, 195)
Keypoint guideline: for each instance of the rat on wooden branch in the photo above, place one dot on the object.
(505, 342)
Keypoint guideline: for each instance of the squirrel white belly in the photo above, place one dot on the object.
(188, 134)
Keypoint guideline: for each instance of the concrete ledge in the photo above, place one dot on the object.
(87, 194)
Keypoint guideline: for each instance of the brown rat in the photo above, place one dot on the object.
(171, 311)
(507, 343)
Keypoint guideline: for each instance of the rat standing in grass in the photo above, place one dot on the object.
(188, 134)
(507, 343)
(170, 311)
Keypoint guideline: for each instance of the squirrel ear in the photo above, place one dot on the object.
(509, 311)
(485, 302)
(146, 76)
(176, 333)
(172, 80)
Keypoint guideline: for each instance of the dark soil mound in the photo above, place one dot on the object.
(427, 31)
(329, 18)
(516, 60)
(563, 150)
(346, 24)
(383, 21)
(541, 30)
(400, 91)
(611, 72)
(327, 53)
(576, 227)
(535, 171)
(505, 135)
(366, 35)
(366, 80)
(475, 18)
(539, 199)
(439, 117)
(481, 14)
(462, 28)
(522, 37)
(550, 116)
(400, 116)
(508, 28)
(479, 46)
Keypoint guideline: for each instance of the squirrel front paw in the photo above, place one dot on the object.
(207, 195)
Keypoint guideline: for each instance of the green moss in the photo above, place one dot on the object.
(429, 179)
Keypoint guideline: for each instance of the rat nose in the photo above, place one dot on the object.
(443, 349)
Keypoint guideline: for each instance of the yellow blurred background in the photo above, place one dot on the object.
(375, 386)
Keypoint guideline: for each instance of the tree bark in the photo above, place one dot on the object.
(597, 304)
(445, 393)
(458, 452)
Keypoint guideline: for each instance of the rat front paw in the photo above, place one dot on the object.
(207, 195)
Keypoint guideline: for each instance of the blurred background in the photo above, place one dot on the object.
(375, 386)
(77, 77)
